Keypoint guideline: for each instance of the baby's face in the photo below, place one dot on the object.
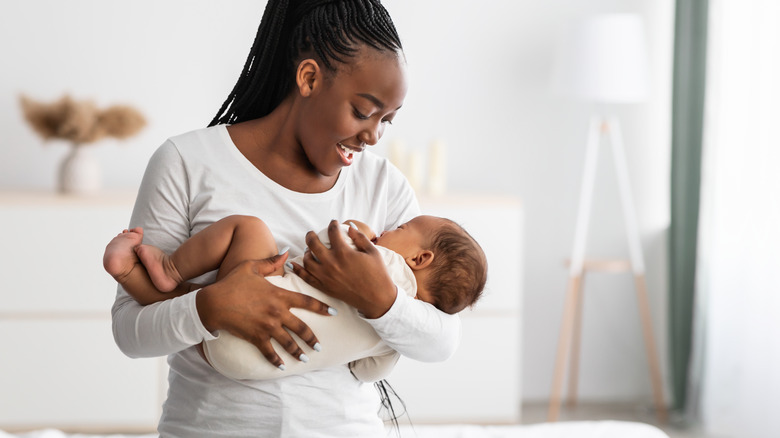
(410, 237)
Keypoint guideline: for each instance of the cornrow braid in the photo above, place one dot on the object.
(331, 31)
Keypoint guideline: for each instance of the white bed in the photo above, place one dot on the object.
(573, 429)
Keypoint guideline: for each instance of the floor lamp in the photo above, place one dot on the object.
(603, 59)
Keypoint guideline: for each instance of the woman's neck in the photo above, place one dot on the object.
(270, 144)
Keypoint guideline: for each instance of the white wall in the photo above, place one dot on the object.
(479, 81)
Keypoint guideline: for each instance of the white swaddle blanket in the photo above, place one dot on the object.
(345, 338)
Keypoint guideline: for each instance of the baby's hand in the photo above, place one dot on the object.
(363, 228)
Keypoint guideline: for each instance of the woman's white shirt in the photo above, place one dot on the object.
(199, 177)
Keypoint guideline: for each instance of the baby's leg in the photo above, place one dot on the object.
(223, 244)
(252, 240)
(120, 260)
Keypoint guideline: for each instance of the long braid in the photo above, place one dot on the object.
(259, 63)
(329, 30)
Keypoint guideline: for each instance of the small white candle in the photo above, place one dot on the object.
(396, 154)
(437, 172)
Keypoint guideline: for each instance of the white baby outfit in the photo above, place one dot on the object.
(345, 338)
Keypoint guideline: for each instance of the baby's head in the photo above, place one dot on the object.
(450, 266)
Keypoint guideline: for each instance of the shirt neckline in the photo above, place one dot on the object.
(273, 185)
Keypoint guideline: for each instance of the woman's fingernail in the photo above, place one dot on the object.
(284, 250)
(289, 265)
(352, 224)
(317, 347)
(333, 311)
(282, 367)
(303, 358)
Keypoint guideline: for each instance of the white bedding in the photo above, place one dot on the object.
(573, 429)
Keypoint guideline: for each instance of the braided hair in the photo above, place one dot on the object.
(328, 30)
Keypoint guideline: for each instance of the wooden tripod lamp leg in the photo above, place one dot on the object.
(574, 359)
(564, 338)
(652, 356)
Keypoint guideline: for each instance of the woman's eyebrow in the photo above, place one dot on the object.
(373, 99)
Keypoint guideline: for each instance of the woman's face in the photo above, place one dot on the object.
(351, 109)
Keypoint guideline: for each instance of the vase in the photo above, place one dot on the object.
(79, 172)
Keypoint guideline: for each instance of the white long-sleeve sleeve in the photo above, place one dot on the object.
(418, 330)
(168, 326)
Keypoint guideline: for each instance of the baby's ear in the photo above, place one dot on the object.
(421, 260)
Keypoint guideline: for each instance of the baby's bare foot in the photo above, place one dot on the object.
(119, 258)
(160, 267)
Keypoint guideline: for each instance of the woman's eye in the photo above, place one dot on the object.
(388, 121)
(360, 115)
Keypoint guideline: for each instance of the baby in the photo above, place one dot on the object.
(431, 258)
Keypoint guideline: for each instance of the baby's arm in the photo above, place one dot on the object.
(363, 228)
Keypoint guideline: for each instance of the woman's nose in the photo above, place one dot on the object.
(372, 134)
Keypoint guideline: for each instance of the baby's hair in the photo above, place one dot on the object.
(329, 31)
(458, 270)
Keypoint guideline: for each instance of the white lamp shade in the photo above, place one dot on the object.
(603, 58)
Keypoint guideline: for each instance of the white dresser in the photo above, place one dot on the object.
(59, 365)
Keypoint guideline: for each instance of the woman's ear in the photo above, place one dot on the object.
(308, 77)
(421, 260)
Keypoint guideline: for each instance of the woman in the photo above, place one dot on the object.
(322, 81)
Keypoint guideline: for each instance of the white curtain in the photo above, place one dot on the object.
(736, 366)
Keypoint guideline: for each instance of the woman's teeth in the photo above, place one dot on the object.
(347, 150)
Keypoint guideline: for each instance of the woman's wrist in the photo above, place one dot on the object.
(204, 304)
(381, 303)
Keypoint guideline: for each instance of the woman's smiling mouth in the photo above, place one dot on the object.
(347, 153)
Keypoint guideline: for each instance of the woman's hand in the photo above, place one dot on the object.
(246, 305)
(357, 277)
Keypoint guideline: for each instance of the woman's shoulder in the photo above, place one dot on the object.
(201, 137)
(195, 150)
(204, 144)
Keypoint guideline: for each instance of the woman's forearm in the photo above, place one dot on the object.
(159, 329)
